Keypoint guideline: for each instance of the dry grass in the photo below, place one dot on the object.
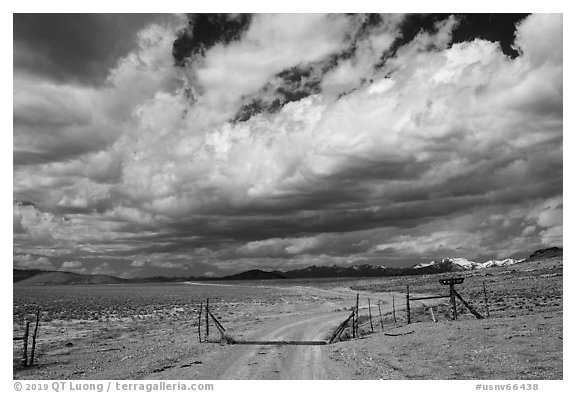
(124, 331)
(526, 347)
(522, 339)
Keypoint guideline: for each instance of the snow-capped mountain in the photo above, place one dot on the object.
(465, 264)
(504, 262)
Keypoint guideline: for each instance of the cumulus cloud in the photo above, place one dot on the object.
(271, 44)
(29, 261)
(539, 38)
(39, 226)
(74, 267)
(369, 154)
(71, 265)
(104, 268)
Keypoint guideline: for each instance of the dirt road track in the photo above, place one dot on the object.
(282, 361)
(287, 361)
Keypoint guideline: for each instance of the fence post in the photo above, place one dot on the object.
(220, 329)
(408, 304)
(34, 338)
(432, 314)
(468, 306)
(340, 329)
(207, 320)
(357, 314)
(380, 312)
(453, 302)
(393, 309)
(486, 300)
(370, 315)
(200, 323)
(25, 354)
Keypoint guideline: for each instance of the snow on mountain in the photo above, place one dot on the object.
(465, 263)
(468, 265)
(425, 264)
(462, 262)
(504, 262)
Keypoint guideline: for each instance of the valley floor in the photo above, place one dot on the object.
(521, 340)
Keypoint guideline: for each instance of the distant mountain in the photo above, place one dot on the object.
(443, 266)
(341, 271)
(255, 274)
(41, 277)
(461, 264)
(365, 270)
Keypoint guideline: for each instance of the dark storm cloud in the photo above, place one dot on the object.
(74, 47)
(52, 123)
(73, 89)
(339, 205)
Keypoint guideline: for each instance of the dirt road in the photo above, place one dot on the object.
(311, 323)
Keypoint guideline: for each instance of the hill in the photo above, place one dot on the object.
(255, 274)
(39, 277)
(546, 253)
(20, 274)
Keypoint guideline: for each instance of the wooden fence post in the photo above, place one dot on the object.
(220, 329)
(408, 304)
(432, 314)
(34, 338)
(340, 328)
(25, 354)
(207, 320)
(357, 314)
(469, 307)
(486, 300)
(380, 312)
(370, 315)
(393, 309)
(453, 302)
(200, 323)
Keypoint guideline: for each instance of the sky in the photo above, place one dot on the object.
(182, 145)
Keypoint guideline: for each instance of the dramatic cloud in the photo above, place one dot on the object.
(277, 141)
(28, 261)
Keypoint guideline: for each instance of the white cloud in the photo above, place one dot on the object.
(74, 267)
(539, 38)
(28, 261)
(104, 268)
(271, 44)
(39, 226)
(71, 264)
(442, 130)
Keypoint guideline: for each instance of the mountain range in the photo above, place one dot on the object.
(465, 264)
(43, 277)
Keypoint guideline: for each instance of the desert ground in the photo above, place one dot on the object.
(150, 331)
